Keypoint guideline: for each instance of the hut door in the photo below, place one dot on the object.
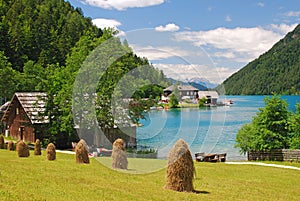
(22, 132)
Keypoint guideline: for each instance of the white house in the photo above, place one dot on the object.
(211, 96)
(185, 92)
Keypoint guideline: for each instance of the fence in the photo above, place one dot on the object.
(275, 155)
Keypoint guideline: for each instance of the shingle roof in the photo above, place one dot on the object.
(212, 94)
(4, 107)
(34, 104)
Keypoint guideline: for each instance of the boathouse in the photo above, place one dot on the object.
(211, 96)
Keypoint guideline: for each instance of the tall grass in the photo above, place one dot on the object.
(36, 178)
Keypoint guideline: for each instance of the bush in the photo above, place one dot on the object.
(119, 158)
(50, 152)
(37, 148)
(22, 149)
(10, 146)
(2, 143)
(173, 101)
(180, 169)
(268, 129)
(82, 154)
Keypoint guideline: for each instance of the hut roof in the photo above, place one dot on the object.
(34, 105)
(4, 107)
(212, 94)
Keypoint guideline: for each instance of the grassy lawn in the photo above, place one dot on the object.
(35, 178)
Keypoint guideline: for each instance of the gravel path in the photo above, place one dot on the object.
(264, 164)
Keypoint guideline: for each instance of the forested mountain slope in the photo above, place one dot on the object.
(41, 31)
(276, 71)
(43, 46)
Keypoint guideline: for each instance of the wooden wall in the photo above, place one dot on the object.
(275, 155)
(19, 125)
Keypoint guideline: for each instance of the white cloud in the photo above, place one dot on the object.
(224, 72)
(293, 14)
(169, 27)
(283, 28)
(228, 18)
(228, 55)
(123, 4)
(260, 4)
(158, 53)
(188, 71)
(249, 42)
(104, 23)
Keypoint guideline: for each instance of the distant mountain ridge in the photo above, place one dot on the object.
(199, 83)
(276, 71)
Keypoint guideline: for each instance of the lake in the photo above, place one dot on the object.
(209, 130)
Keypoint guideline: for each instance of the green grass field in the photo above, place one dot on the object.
(35, 178)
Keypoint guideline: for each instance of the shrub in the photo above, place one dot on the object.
(50, 152)
(37, 148)
(2, 143)
(173, 101)
(82, 154)
(119, 158)
(268, 129)
(22, 149)
(180, 169)
(10, 146)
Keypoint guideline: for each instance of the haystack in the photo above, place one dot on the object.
(10, 146)
(37, 148)
(22, 149)
(2, 143)
(119, 158)
(82, 153)
(180, 169)
(50, 152)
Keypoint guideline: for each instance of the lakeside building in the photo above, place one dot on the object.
(184, 92)
(211, 96)
(191, 93)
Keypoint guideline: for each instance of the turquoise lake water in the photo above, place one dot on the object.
(209, 130)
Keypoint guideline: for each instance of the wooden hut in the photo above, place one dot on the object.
(24, 118)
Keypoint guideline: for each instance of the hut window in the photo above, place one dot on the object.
(17, 111)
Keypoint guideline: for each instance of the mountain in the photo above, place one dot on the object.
(199, 83)
(276, 71)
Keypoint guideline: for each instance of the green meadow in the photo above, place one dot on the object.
(35, 178)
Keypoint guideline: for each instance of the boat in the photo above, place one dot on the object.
(225, 103)
(202, 157)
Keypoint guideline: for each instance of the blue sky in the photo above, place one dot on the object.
(196, 38)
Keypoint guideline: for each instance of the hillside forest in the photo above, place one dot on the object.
(275, 72)
(44, 44)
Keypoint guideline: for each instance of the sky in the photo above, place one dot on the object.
(210, 39)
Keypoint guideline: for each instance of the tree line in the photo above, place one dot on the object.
(45, 44)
